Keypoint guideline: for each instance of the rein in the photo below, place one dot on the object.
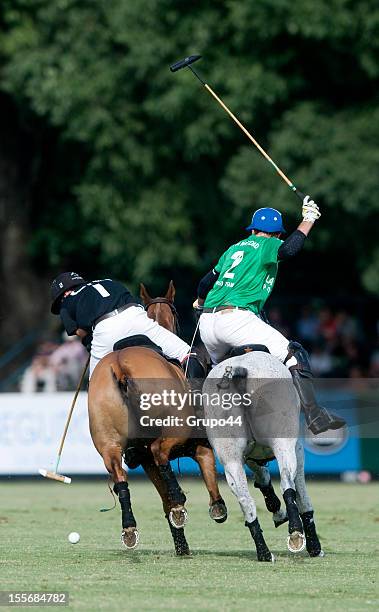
(162, 300)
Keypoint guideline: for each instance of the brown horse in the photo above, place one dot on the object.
(116, 383)
(115, 386)
(162, 310)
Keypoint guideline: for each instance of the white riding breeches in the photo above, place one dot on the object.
(220, 331)
(131, 321)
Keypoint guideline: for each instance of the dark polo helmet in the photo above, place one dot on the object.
(63, 282)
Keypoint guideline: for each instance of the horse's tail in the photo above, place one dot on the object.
(130, 395)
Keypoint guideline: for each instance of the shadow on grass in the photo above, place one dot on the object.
(137, 556)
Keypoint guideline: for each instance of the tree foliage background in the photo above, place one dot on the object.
(111, 165)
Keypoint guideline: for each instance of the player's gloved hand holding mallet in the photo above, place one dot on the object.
(310, 210)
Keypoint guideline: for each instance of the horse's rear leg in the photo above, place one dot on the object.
(284, 450)
(206, 460)
(305, 506)
(113, 462)
(237, 481)
(161, 448)
(180, 542)
(262, 481)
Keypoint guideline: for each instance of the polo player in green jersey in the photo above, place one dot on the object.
(233, 294)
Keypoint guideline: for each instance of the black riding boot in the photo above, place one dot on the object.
(317, 418)
(195, 371)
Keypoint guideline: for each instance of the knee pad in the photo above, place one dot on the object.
(295, 349)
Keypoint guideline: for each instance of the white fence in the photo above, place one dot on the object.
(31, 426)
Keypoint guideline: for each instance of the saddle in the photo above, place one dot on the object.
(238, 375)
(145, 342)
(245, 348)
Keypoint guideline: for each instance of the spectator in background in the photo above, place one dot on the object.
(327, 325)
(276, 321)
(68, 362)
(40, 375)
(307, 328)
(321, 360)
(347, 326)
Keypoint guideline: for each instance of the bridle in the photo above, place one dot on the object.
(162, 300)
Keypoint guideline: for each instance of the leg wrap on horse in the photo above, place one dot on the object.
(174, 492)
(180, 542)
(312, 542)
(196, 371)
(122, 490)
(272, 501)
(294, 520)
(263, 552)
(317, 418)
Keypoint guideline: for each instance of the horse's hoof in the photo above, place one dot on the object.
(296, 542)
(178, 517)
(268, 557)
(317, 555)
(183, 552)
(130, 537)
(218, 511)
(280, 518)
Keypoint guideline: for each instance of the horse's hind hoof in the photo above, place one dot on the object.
(178, 517)
(317, 555)
(268, 557)
(183, 552)
(296, 542)
(218, 511)
(130, 537)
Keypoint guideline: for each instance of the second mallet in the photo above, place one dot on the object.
(186, 63)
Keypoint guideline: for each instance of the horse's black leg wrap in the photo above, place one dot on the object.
(312, 542)
(174, 492)
(122, 490)
(317, 418)
(272, 501)
(294, 520)
(180, 542)
(263, 552)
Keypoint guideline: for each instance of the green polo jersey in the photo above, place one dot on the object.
(247, 271)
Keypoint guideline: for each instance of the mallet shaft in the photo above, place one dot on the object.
(71, 411)
(242, 127)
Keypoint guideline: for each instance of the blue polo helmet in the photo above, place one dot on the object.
(267, 220)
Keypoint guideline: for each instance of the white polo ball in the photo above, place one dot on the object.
(73, 537)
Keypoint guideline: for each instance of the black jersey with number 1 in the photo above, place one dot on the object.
(88, 302)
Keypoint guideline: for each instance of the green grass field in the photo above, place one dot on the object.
(222, 574)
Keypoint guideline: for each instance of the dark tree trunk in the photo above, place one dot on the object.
(24, 294)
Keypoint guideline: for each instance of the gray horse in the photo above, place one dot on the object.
(252, 397)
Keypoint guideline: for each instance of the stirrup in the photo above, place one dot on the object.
(319, 420)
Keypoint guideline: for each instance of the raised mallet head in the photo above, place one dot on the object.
(184, 62)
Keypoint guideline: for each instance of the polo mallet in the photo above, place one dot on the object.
(54, 475)
(186, 63)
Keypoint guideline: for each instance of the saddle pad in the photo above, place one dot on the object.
(137, 340)
(246, 348)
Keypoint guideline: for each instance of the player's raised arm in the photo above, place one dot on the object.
(295, 241)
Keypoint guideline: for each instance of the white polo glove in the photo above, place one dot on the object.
(310, 210)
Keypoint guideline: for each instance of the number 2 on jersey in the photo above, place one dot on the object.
(237, 257)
